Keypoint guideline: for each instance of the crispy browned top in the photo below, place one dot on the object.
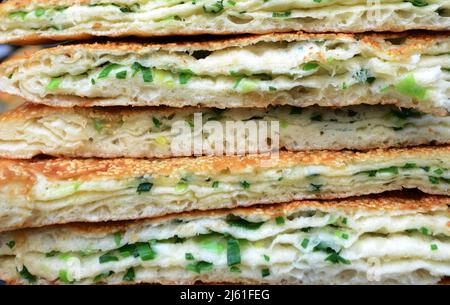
(122, 168)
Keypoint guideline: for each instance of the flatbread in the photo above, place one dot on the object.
(150, 132)
(42, 21)
(407, 70)
(50, 191)
(399, 238)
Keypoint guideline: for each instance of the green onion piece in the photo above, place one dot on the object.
(279, 220)
(418, 3)
(117, 238)
(26, 275)
(189, 256)
(310, 66)
(364, 76)
(147, 75)
(408, 86)
(128, 250)
(244, 184)
(65, 256)
(102, 276)
(344, 220)
(181, 186)
(341, 234)
(235, 269)
(433, 180)
(215, 184)
(121, 74)
(424, 231)
(389, 170)
(161, 140)
(98, 125)
(335, 258)
(92, 81)
(263, 76)
(156, 122)
(199, 267)
(239, 77)
(106, 70)
(433, 247)
(212, 245)
(11, 244)
(39, 12)
(107, 257)
(281, 14)
(316, 187)
(409, 165)
(54, 83)
(284, 124)
(305, 243)
(51, 253)
(65, 277)
(61, 8)
(127, 9)
(129, 275)
(18, 14)
(145, 251)
(233, 252)
(237, 221)
(144, 187)
(265, 272)
(439, 171)
(136, 67)
(266, 257)
(271, 88)
(214, 8)
(185, 75)
(248, 85)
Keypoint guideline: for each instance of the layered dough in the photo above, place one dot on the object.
(293, 69)
(389, 239)
(123, 132)
(31, 21)
(42, 192)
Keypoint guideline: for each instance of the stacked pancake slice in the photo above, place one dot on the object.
(115, 172)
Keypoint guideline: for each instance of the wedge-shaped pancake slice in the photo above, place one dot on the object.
(38, 21)
(151, 132)
(295, 69)
(384, 239)
(36, 193)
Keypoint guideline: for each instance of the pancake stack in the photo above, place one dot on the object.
(102, 179)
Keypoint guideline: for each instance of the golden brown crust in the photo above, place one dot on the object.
(86, 169)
